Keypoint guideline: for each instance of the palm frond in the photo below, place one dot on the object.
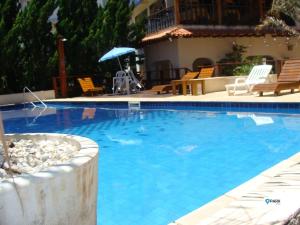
(277, 24)
(290, 8)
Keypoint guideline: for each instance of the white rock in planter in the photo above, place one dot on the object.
(28, 156)
(62, 194)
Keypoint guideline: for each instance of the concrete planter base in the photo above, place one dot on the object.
(61, 195)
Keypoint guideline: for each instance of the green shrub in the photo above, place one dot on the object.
(246, 66)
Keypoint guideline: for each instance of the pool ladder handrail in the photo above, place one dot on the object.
(35, 96)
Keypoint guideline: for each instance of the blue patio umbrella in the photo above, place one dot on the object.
(115, 53)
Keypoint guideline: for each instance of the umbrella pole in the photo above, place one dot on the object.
(120, 63)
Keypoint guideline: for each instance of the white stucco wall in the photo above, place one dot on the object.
(165, 50)
(21, 98)
(62, 194)
(183, 51)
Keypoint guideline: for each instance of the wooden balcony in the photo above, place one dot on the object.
(161, 20)
(214, 12)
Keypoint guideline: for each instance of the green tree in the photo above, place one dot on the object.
(93, 43)
(279, 10)
(111, 28)
(9, 10)
(28, 49)
(75, 18)
(8, 13)
(116, 29)
(32, 45)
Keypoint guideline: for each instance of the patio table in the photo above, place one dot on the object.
(176, 83)
(192, 82)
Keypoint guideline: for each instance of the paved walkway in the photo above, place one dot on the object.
(214, 96)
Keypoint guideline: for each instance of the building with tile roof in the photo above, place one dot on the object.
(194, 33)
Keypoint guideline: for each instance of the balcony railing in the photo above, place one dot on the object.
(160, 20)
(196, 13)
(203, 14)
(240, 16)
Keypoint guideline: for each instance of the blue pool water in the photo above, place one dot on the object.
(157, 165)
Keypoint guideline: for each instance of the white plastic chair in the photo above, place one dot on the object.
(120, 83)
(258, 75)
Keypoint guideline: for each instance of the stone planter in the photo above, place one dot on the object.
(60, 195)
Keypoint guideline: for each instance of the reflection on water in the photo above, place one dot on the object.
(29, 115)
(88, 113)
(258, 119)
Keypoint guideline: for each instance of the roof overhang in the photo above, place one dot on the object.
(208, 31)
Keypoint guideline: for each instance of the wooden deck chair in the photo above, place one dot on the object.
(168, 87)
(88, 87)
(206, 72)
(289, 79)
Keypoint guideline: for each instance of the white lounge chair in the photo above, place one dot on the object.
(258, 75)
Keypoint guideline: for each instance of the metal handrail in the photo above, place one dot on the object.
(34, 95)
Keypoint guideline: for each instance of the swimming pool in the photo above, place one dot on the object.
(161, 162)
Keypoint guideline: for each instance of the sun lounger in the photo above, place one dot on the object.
(194, 84)
(258, 75)
(205, 72)
(289, 79)
(168, 87)
(88, 87)
(162, 88)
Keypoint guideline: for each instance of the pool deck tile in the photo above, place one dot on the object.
(246, 204)
(209, 97)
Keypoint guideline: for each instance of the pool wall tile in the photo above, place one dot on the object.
(227, 106)
(268, 107)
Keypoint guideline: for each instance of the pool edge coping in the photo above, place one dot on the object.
(206, 211)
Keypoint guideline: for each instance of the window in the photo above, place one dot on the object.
(163, 70)
(202, 62)
(236, 12)
(198, 11)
